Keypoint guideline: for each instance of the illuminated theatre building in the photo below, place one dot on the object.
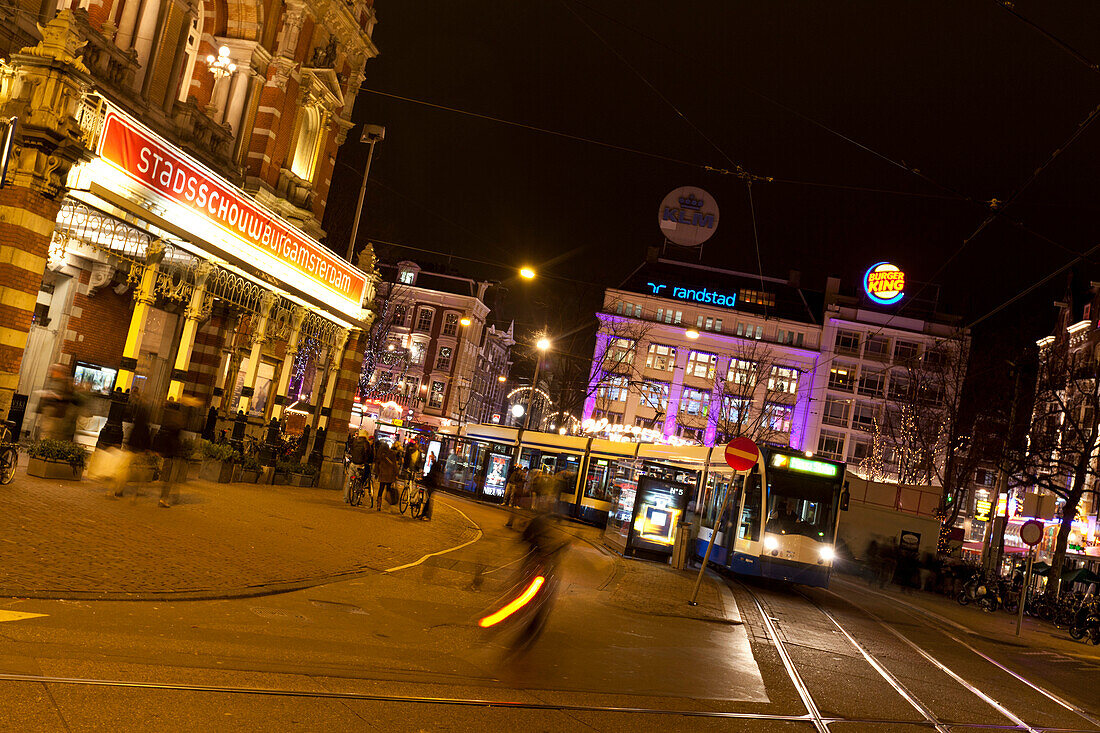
(161, 209)
(689, 353)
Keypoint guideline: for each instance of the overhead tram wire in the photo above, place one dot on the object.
(1085, 61)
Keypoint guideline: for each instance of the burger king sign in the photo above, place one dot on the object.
(884, 283)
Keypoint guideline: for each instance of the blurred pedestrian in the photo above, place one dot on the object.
(385, 470)
(136, 449)
(58, 405)
(168, 446)
(513, 487)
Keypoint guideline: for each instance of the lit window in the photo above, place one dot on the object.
(695, 402)
(307, 143)
(655, 395)
(443, 359)
(701, 365)
(450, 324)
(735, 409)
(742, 372)
(424, 320)
(842, 378)
(613, 388)
(783, 379)
(661, 357)
(435, 399)
(778, 417)
(407, 276)
(620, 354)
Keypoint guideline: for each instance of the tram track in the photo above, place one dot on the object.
(928, 718)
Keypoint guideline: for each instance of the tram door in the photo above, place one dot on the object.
(747, 543)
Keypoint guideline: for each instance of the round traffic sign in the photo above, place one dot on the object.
(741, 454)
(1031, 532)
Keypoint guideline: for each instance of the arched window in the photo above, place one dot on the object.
(191, 51)
(305, 145)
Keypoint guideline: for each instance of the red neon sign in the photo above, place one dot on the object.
(162, 168)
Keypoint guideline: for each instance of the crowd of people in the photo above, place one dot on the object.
(886, 562)
(382, 465)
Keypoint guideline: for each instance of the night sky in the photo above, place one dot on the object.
(970, 95)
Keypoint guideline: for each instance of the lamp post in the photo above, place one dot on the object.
(542, 345)
(371, 134)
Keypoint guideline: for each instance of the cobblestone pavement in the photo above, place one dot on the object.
(64, 539)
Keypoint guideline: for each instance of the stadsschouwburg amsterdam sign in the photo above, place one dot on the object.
(165, 170)
(884, 283)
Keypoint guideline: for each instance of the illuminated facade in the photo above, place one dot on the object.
(160, 218)
(783, 365)
(432, 351)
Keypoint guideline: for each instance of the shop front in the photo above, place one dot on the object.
(168, 286)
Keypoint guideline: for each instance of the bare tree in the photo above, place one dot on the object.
(617, 368)
(1063, 438)
(920, 432)
(755, 398)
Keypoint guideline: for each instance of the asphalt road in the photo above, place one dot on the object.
(397, 649)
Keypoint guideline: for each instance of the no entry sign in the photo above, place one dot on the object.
(741, 454)
(1031, 532)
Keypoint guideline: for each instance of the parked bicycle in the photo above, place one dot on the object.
(414, 497)
(359, 483)
(9, 454)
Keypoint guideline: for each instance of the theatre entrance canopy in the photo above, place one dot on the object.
(140, 188)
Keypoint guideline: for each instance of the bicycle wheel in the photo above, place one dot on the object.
(403, 500)
(416, 504)
(369, 488)
(355, 492)
(8, 461)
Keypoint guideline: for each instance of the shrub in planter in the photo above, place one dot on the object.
(284, 471)
(306, 473)
(59, 459)
(250, 469)
(143, 468)
(219, 460)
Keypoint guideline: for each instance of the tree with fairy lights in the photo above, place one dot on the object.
(386, 360)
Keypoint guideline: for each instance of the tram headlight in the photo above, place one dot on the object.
(771, 544)
(828, 554)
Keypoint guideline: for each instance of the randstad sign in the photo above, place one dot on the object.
(702, 295)
(688, 216)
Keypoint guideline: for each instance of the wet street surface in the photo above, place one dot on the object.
(397, 648)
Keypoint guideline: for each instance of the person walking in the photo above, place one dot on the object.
(385, 469)
(137, 446)
(169, 447)
(512, 489)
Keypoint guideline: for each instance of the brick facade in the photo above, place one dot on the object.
(93, 333)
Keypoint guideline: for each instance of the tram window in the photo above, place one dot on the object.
(750, 514)
(800, 507)
(715, 488)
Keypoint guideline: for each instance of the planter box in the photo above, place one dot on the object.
(249, 477)
(302, 479)
(281, 479)
(217, 471)
(54, 469)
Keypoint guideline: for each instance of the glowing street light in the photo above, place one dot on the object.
(691, 333)
(517, 410)
(465, 321)
(502, 378)
(222, 66)
(544, 344)
(527, 273)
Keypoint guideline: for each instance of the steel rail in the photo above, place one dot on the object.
(893, 681)
(788, 664)
(913, 610)
(940, 665)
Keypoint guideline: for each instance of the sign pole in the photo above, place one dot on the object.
(741, 455)
(1023, 591)
(710, 545)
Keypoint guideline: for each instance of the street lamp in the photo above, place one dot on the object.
(542, 345)
(465, 321)
(527, 273)
(222, 66)
(691, 333)
(371, 134)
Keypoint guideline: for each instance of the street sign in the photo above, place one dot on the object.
(1031, 532)
(741, 454)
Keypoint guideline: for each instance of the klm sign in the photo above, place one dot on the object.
(688, 216)
(703, 295)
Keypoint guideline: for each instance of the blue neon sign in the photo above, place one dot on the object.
(702, 295)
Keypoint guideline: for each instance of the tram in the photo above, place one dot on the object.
(781, 518)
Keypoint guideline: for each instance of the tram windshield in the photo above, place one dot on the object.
(801, 505)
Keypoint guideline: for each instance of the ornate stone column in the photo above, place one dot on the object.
(330, 390)
(257, 343)
(144, 296)
(192, 316)
(297, 316)
(43, 87)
